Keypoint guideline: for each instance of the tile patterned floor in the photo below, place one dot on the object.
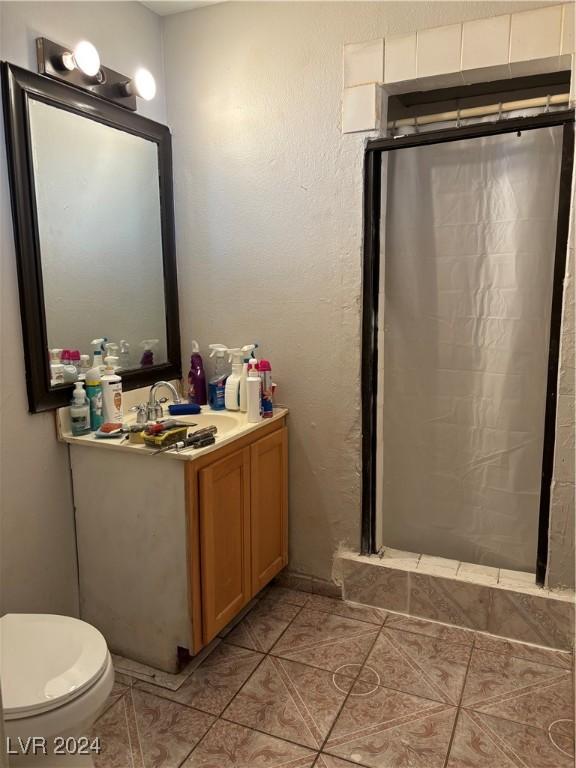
(306, 681)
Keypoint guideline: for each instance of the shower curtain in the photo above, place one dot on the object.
(468, 262)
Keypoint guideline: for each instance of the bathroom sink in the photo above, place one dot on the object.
(224, 422)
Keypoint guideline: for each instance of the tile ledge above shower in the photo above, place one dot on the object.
(468, 596)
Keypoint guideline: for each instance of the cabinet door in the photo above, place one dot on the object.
(269, 507)
(224, 540)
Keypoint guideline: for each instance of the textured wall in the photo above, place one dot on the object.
(562, 507)
(38, 559)
(269, 221)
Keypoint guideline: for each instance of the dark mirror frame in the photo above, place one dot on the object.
(19, 86)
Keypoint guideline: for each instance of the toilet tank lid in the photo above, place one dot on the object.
(46, 660)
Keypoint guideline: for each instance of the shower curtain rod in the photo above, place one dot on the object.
(489, 109)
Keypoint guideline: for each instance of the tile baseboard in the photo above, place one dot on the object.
(514, 611)
(304, 583)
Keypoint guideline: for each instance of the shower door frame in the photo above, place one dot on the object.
(370, 304)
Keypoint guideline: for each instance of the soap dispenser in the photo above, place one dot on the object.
(79, 411)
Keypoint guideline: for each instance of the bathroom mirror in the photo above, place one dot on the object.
(92, 202)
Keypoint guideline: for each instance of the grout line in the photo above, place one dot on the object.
(138, 739)
(459, 706)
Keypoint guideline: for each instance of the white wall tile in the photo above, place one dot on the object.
(567, 45)
(485, 42)
(438, 50)
(536, 34)
(363, 63)
(397, 558)
(480, 574)
(361, 108)
(400, 58)
(438, 566)
(519, 580)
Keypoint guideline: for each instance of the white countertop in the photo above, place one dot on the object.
(231, 425)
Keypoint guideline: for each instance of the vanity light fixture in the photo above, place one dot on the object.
(84, 57)
(142, 85)
(81, 68)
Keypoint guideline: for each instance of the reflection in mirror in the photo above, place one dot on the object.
(100, 241)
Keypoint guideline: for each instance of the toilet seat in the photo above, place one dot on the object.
(46, 661)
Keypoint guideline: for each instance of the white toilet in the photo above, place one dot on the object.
(56, 675)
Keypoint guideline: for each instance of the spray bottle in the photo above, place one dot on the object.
(235, 398)
(97, 360)
(196, 377)
(124, 355)
(217, 384)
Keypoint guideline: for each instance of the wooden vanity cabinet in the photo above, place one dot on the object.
(171, 549)
(238, 526)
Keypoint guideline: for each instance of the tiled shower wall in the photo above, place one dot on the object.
(510, 610)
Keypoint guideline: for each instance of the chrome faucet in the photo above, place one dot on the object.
(155, 410)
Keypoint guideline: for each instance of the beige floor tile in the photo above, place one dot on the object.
(496, 682)
(290, 700)
(212, 686)
(260, 629)
(381, 728)
(313, 629)
(228, 745)
(342, 655)
(484, 741)
(349, 610)
(286, 595)
(418, 664)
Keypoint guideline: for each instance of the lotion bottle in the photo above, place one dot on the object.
(111, 391)
(253, 393)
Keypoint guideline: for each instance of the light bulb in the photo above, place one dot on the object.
(144, 84)
(85, 57)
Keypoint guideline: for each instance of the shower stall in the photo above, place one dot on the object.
(465, 247)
